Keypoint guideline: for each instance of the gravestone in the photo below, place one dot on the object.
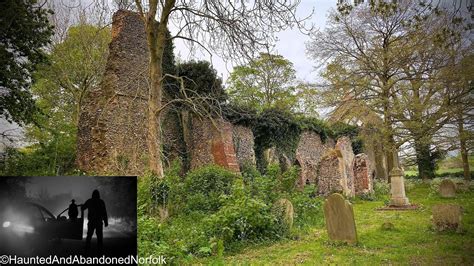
(363, 179)
(346, 157)
(447, 189)
(339, 217)
(447, 217)
(283, 210)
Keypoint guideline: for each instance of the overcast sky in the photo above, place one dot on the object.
(291, 43)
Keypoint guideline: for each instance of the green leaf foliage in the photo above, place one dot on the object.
(241, 211)
(201, 78)
(282, 130)
(269, 82)
(206, 185)
(24, 31)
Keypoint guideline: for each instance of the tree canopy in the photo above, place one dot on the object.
(269, 81)
(391, 55)
(24, 32)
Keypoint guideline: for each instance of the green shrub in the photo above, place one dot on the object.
(287, 180)
(242, 218)
(204, 187)
(264, 187)
(410, 184)
(149, 237)
(367, 196)
(178, 239)
(381, 189)
(55, 157)
(307, 208)
(144, 199)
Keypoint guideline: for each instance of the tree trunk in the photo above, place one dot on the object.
(389, 143)
(156, 37)
(154, 138)
(463, 148)
(424, 160)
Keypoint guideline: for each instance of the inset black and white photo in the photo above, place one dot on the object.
(71, 215)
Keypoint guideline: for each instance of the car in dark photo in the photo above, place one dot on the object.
(30, 227)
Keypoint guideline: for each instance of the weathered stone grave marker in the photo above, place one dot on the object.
(283, 209)
(362, 176)
(447, 217)
(447, 189)
(397, 185)
(339, 216)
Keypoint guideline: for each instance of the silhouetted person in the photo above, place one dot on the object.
(96, 214)
(72, 211)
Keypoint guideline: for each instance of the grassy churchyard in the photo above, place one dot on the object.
(412, 241)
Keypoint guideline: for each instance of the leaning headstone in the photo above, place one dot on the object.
(283, 210)
(340, 222)
(447, 217)
(447, 189)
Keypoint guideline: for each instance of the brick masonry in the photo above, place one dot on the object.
(212, 143)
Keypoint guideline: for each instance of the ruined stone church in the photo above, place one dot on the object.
(112, 129)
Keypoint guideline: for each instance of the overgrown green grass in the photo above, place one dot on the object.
(411, 242)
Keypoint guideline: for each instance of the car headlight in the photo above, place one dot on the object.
(6, 224)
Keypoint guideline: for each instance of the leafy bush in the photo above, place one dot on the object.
(308, 209)
(381, 189)
(149, 236)
(242, 218)
(367, 196)
(212, 209)
(205, 186)
(56, 157)
(144, 199)
(287, 180)
(410, 184)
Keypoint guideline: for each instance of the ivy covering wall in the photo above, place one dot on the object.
(282, 130)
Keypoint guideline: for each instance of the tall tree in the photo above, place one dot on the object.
(24, 31)
(231, 29)
(383, 53)
(425, 93)
(75, 67)
(461, 79)
(269, 81)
